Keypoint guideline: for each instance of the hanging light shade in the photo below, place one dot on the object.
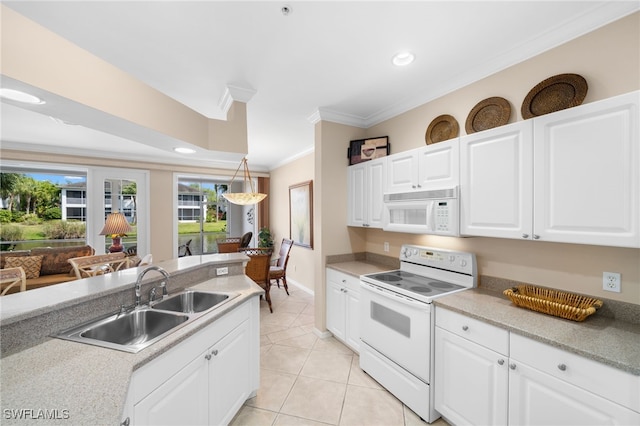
(244, 198)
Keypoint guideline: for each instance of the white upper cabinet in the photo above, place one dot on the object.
(586, 168)
(572, 176)
(496, 182)
(434, 166)
(365, 193)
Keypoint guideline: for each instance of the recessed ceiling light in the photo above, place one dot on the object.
(18, 96)
(182, 150)
(402, 58)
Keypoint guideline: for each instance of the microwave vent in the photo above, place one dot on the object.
(422, 195)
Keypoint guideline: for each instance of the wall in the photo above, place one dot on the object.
(330, 197)
(609, 59)
(300, 266)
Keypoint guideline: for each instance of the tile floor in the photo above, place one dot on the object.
(305, 380)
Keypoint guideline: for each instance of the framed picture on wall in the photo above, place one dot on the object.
(368, 149)
(301, 213)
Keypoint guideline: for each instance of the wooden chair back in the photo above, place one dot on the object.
(90, 266)
(10, 277)
(228, 245)
(285, 250)
(258, 269)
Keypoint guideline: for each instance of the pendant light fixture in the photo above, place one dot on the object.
(244, 198)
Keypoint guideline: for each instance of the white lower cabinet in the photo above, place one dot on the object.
(471, 373)
(204, 380)
(480, 381)
(343, 310)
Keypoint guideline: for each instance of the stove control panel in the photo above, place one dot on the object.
(450, 260)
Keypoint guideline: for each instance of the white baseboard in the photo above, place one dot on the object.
(322, 334)
(300, 286)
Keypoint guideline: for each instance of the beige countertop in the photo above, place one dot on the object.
(80, 384)
(357, 268)
(600, 338)
(606, 340)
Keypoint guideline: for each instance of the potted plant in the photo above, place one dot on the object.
(265, 239)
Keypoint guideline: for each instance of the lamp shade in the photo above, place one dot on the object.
(244, 198)
(116, 224)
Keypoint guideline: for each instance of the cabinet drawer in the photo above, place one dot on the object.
(615, 385)
(340, 278)
(492, 337)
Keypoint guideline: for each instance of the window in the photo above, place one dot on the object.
(42, 206)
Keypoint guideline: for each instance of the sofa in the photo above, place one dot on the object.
(45, 266)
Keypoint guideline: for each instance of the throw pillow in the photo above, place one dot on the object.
(30, 264)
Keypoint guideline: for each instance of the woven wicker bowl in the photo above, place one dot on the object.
(553, 302)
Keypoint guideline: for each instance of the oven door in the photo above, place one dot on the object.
(398, 327)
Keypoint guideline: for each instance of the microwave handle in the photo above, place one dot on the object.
(431, 217)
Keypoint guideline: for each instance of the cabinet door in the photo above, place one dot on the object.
(536, 398)
(402, 171)
(229, 375)
(470, 381)
(587, 179)
(496, 182)
(438, 165)
(336, 307)
(375, 192)
(352, 318)
(181, 400)
(356, 203)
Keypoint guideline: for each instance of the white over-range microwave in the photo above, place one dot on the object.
(423, 212)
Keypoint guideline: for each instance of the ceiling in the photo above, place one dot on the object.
(325, 59)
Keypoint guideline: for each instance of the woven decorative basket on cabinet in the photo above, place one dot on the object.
(553, 302)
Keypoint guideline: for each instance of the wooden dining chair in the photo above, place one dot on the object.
(279, 270)
(258, 269)
(12, 277)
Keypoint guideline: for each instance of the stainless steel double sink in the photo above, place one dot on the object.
(135, 330)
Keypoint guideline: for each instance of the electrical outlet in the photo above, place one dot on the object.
(611, 281)
(386, 246)
(222, 271)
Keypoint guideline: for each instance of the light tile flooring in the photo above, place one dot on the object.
(305, 380)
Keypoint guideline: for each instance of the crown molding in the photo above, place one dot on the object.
(235, 93)
(326, 114)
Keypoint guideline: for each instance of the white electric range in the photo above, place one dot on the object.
(397, 320)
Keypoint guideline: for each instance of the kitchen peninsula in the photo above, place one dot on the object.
(64, 382)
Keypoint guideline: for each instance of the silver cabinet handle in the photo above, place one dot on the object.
(536, 237)
(413, 186)
(207, 357)
(419, 186)
(501, 361)
(562, 367)
(465, 327)
(525, 235)
(344, 281)
(214, 352)
(512, 366)
(126, 422)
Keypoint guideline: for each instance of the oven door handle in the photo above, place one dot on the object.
(391, 295)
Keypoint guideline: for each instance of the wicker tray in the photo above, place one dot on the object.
(553, 302)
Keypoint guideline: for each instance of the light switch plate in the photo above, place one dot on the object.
(222, 271)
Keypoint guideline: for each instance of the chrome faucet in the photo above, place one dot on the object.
(163, 283)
